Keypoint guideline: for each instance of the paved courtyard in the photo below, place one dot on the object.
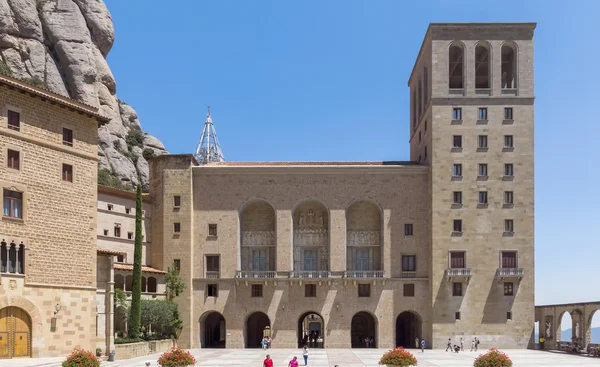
(331, 357)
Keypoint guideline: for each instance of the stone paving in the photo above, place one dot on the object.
(332, 357)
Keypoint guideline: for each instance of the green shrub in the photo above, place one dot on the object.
(81, 358)
(128, 340)
(135, 138)
(176, 357)
(5, 69)
(158, 316)
(35, 81)
(108, 178)
(147, 153)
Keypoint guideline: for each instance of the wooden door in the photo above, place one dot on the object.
(15, 330)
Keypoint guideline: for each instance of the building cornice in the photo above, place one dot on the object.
(307, 169)
(122, 193)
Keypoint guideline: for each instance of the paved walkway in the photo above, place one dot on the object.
(331, 357)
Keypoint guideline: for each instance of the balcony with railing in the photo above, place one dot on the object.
(213, 274)
(364, 274)
(255, 274)
(510, 273)
(310, 274)
(458, 274)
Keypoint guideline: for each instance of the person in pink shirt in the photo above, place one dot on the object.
(293, 362)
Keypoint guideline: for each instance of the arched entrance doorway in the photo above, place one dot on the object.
(212, 330)
(15, 333)
(311, 330)
(257, 324)
(363, 331)
(408, 328)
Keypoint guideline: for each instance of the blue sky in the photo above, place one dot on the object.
(326, 80)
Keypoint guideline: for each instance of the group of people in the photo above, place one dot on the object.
(266, 343)
(268, 362)
(461, 348)
(420, 344)
(314, 339)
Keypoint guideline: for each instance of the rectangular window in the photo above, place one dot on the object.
(67, 136)
(508, 170)
(12, 204)
(508, 289)
(425, 127)
(483, 197)
(105, 232)
(120, 258)
(408, 290)
(508, 113)
(67, 172)
(457, 170)
(457, 198)
(456, 113)
(212, 290)
(482, 113)
(509, 225)
(364, 290)
(457, 260)
(212, 230)
(259, 260)
(129, 235)
(508, 197)
(13, 160)
(109, 206)
(117, 230)
(408, 229)
(177, 265)
(509, 315)
(14, 120)
(457, 141)
(176, 227)
(457, 225)
(177, 201)
(419, 137)
(257, 290)
(212, 263)
(482, 141)
(127, 210)
(425, 153)
(310, 290)
(457, 316)
(509, 259)
(409, 263)
(508, 141)
(482, 170)
(457, 289)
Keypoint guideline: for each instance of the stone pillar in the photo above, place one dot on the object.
(337, 240)
(110, 306)
(387, 244)
(284, 233)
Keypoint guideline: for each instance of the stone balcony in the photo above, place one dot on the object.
(364, 274)
(458, 274)
(509, 273)
(213, 275)
(249, 274)
(310, 274)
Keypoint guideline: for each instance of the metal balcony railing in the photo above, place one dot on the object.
(458, 272)
(245, 274)
(408, 274)
(371, 274)
(510, 273)
(306, 274)
(213, 274)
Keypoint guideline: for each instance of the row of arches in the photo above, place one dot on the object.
(310, 330)
(483, 65)
(12, 258)
(310, 236)
(149, 284)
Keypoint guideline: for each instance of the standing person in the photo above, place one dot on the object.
(473, 345)
(462, 345)
(305, 354)
(422, 345)
(476, 343)
(268, 362)
(449, 345)
(269, 342)
(417, 343)
(293, 362)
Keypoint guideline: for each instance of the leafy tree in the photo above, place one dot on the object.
(136, 288)
(147, 153)
(134, 138)
(175, 284)
(107, 178)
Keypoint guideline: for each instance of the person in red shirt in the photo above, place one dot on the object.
(293, 362)
(268, 362)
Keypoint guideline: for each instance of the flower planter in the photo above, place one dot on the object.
(398, 357)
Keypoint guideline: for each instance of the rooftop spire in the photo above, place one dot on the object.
(208, 148)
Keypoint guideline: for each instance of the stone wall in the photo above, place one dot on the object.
(133, 350)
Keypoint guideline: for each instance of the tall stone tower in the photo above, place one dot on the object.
(472, 112)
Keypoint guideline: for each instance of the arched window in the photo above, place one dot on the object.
(3, 257)
(482, 66)
(152, 285)
(12, 258)
(21, 259)
(119, 282)
(143, 284)
(129, 283)
(509, 66)
(456, 56)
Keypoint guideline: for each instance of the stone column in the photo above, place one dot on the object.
(387, 244)
(110, 306)
(284, 237)
(337, 240)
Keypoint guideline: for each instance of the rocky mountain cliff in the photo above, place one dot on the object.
(62, 45)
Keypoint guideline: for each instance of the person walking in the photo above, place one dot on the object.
(473, 345)
(293, 362)
(449, 345)
(305, 355)
(422, 345)
(268, 362)
(462, 345)
(476, 343)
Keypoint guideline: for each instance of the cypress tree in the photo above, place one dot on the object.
(136, 291)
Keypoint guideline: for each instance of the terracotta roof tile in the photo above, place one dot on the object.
(109, 252)
(324, 163)
(145, 269)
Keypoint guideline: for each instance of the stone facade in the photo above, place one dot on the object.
(371, 249)
(48, 221)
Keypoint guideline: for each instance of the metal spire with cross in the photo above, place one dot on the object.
(208, 149)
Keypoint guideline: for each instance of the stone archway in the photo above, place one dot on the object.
(212, 330)
(35, 321)
(15, 333)
(311, 329)
(256, 324)
(363, 331)
(408, 328)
